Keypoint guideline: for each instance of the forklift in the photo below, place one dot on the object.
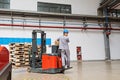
(43, 63)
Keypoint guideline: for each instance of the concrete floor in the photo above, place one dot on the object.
(92, 70)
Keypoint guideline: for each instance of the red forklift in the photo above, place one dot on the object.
(44, 62)
(5, 65)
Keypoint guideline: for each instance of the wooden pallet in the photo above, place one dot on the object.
(26, 64)
(19, 52)
(18, 44)
(11, 59)
(26, 45)
(17, 64)
(18, 49)
(26, 56)
(11, 50)
(27, 49)
(27, 60)
(11, 44)
(18, 59)
(39, 50)
(11, 54)
(26, 52)
(11, 47)
(18, 56)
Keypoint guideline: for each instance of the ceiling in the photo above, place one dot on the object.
(117, 6)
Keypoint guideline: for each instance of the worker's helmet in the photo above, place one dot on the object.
(65, 31)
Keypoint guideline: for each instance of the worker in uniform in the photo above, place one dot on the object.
(64, 48)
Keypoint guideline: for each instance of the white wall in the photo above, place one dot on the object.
(23, 4)
(88, 7)
(91, 42)
(115, 45)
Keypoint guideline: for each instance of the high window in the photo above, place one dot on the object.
(5, 4)
(52, 7)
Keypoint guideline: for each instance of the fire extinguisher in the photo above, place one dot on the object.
(78, 53)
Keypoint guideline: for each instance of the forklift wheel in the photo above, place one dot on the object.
(63, 71)
(28, 69)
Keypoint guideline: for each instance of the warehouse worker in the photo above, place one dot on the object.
(64, 48)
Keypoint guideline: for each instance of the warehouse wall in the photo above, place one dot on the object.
(115, 45)
(88, 7)
(91, 42)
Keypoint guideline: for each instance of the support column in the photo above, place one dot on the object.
(106, 37)
(107, 46)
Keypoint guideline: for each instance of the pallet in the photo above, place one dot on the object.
(27, 49)
(26, 64)
(11, 54)
(17, 64)
(11, 60)
(18, 60)
(11, 44)
(26, 56)
(11, 50)
(18, 49)
(11, 47)
(18, 44)
(26, 60)
(19, 52)
(18, 56)
(26, 53)
(39, 50)
(27, 45)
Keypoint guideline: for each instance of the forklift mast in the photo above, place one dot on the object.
(35, 50)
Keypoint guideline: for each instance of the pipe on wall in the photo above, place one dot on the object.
(68, 27)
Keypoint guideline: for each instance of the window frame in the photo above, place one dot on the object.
(5, 4)
(53, 7)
